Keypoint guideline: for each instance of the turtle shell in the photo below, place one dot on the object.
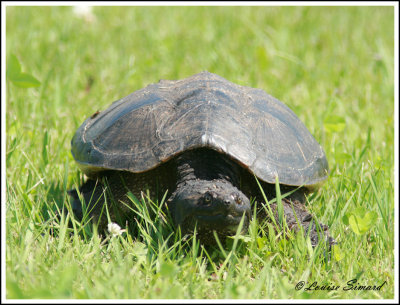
(152, 125)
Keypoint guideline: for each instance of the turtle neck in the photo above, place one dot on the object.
(206, 164)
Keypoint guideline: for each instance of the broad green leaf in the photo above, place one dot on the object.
(337, 253)
(13, 67)
(360, 212)
(334, 123)
(356, 226)
(261, 242)
(25, 80)
(18, 78)
(360, 224)
(370, 219)
(345, 219)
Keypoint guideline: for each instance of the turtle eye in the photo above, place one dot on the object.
(238, 199)
(207, 198)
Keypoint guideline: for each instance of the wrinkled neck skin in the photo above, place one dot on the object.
(204, 164)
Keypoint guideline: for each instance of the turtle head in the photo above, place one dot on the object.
(211, 205)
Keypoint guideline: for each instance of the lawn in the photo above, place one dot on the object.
(333, 66)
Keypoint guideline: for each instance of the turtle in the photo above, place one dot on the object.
(212, 146)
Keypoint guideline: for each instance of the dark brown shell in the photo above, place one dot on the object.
(154, 124)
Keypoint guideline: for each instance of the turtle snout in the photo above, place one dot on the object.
(212, 203)
(233, 199)
(236, 205)
(228, 202)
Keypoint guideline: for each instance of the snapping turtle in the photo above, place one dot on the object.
(203, 139)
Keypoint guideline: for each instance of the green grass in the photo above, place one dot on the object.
(333, 66)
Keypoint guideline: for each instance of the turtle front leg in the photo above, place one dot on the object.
(92, 194)
(85, 191)
(296, 215)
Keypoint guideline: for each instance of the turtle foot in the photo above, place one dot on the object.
(296, 215)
